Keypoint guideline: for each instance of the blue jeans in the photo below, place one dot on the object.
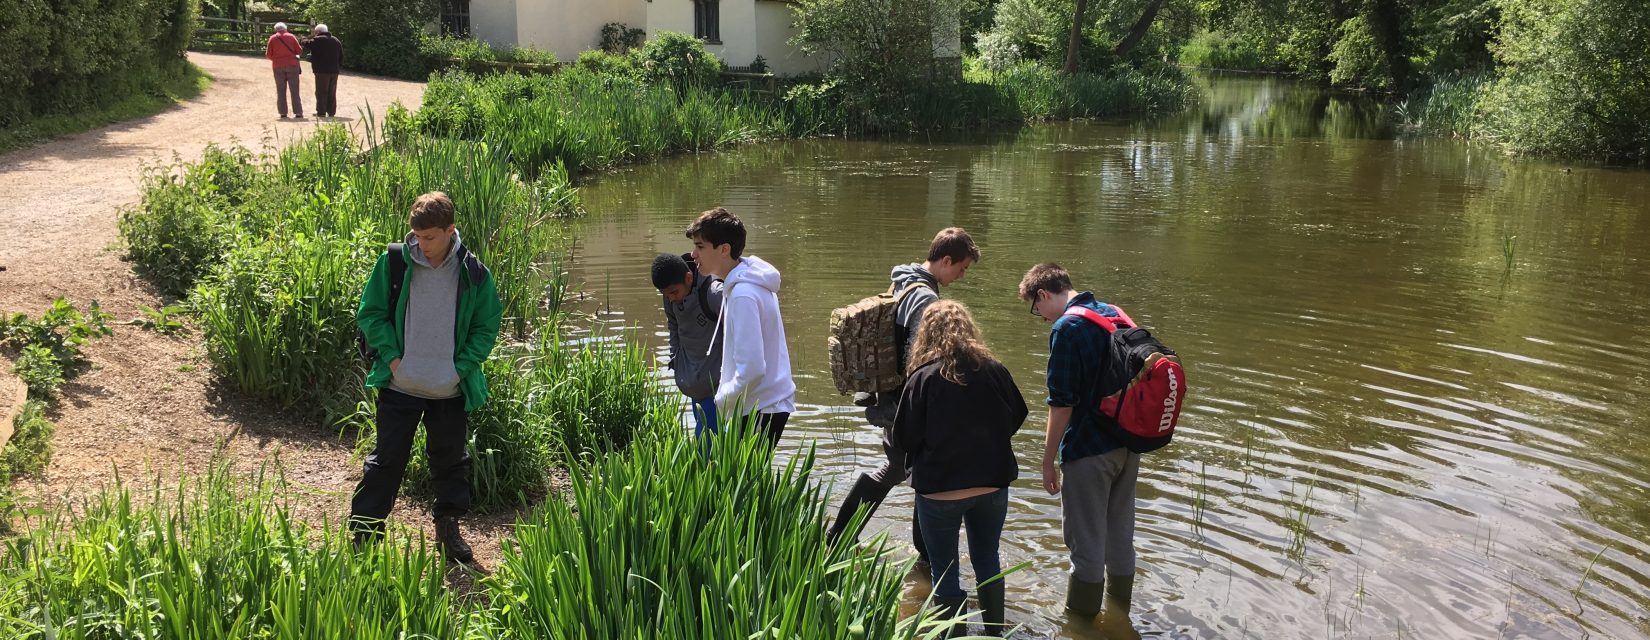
(942, 520)
(704, 416)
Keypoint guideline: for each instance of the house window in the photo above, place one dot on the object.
(707, 23)
(455, 18)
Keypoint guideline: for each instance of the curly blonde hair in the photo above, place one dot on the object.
(948, 335)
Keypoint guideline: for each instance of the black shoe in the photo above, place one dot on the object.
(283, 116)
(363, 538)
(299, 116)
(451, 542)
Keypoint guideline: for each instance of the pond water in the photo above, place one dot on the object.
(1420, 370)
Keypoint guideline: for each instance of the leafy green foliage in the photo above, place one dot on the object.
(678, 59)
(1358, 57)
(383, 36)
(619, 38)
(30, 447)
(1212, 50)
(73, 57)
(1574, 79)
(49, 348)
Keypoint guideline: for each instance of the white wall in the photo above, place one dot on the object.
(493, 21)
(773, 32)
(571, 27)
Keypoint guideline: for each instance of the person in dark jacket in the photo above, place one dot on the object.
(957, 416)
(692, 302)
(326, 56)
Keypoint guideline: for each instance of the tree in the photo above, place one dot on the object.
(1138, 32)
(1074, 46)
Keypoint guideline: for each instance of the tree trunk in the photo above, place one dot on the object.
(1074, 46)
(1138, 33)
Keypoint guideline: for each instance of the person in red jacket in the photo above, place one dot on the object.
(282, 50)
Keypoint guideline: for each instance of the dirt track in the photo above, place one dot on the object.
(149, 403)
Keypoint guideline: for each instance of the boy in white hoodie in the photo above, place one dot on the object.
(756, 366)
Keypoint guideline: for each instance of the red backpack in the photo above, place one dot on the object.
(1142, 385)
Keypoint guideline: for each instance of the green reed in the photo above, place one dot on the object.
(217, 557)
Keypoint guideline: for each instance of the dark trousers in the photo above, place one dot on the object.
(942, 520)
(326, 94)
(286, 83)
(445, 436)
(772, 424)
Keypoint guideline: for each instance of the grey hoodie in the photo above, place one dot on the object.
(427, 369)
(695, 353)
(908, 316)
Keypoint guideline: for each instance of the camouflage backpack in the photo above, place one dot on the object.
(864, 349)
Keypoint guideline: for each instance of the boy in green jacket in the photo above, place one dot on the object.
(427, 345)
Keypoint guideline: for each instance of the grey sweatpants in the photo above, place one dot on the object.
(1097, 500)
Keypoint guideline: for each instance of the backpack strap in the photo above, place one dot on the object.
(397, 253)
(1109, 324)
(900, 296)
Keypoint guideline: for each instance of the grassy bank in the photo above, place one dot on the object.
(661, 541)
(185, 84)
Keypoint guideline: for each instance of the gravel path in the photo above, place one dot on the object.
(149, 405)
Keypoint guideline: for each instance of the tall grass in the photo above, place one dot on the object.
(661, 542)
(582, 121)
(1448, 107)
(219, 558)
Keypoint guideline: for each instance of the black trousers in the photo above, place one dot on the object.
(446, 429)
(772, 424)
(326, 94)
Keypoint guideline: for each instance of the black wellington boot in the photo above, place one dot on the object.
(991, 603)
(866, 491)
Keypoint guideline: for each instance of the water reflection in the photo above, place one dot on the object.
(1421, 401)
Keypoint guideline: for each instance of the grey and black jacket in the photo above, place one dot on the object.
(695, 351)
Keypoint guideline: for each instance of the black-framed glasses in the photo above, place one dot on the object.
(1036, 296)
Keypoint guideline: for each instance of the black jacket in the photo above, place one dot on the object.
(326, 53)
(960, 436)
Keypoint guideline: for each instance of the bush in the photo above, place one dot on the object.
(438, 50)
(1358, 57)
(619, 38)
(384, 36)
(30, 447)
(610, 64)
(1212, 50)
(49, 348)
(1575, 79)
(679, 59)
(71, 57)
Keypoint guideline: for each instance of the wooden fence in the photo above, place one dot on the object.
(242, 36)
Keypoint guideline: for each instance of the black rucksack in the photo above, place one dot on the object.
(398, 275)
(703, 287)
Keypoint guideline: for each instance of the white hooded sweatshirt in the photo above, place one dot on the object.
(756, 365)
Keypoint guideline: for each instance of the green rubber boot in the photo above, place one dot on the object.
(1114, 618)
(1084, 599)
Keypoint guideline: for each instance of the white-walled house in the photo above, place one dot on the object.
(737, 31)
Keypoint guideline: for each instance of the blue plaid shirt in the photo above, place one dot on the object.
(1076, 348)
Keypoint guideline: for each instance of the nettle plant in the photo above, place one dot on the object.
(48, 349)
